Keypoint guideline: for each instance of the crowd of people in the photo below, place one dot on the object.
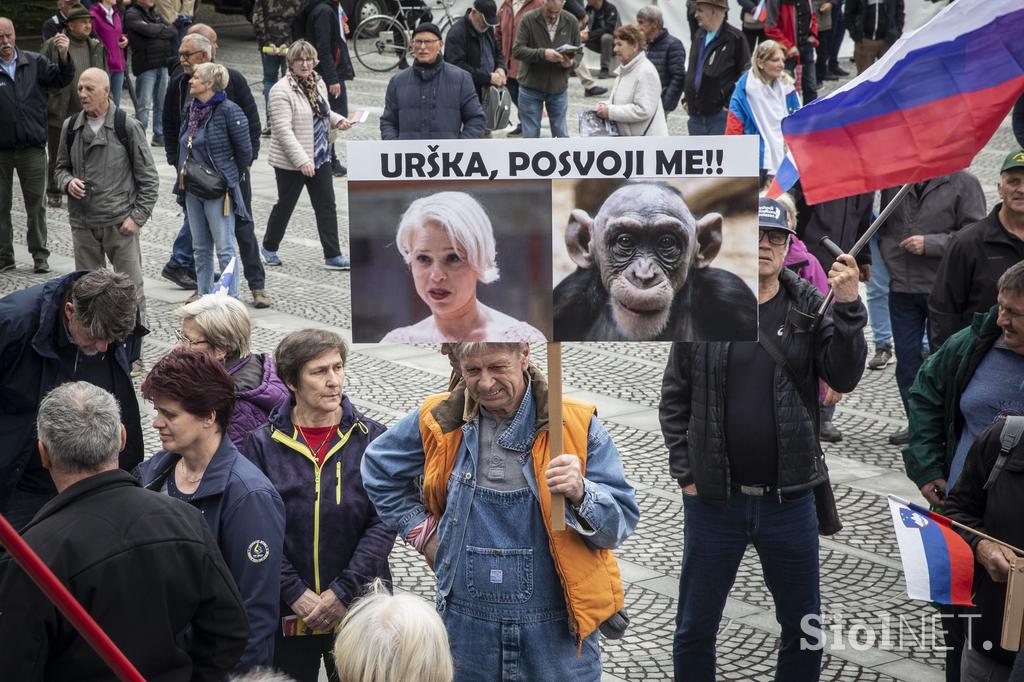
(258, 537)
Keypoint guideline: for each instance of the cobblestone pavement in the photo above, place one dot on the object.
(861, 576)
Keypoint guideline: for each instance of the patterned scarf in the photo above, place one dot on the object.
(307, 86)
(200, 111)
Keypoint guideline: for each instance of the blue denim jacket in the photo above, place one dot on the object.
(393, 463)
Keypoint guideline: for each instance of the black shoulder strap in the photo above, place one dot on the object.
(121, 131)
(772, 348)
(1009, 436)
(69, 136)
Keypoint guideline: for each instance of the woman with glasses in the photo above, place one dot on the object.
(193, 397)
(219, 326)
(300, 152)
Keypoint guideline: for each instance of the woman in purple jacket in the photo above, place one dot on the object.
(311, 449)
(219, 326)
(106, 25)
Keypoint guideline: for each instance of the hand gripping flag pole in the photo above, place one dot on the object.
(60, 597)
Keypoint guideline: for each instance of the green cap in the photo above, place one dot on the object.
(1013, 160)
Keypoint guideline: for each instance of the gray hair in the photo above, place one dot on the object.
(652, 14)
(106, 304)
(214, 74)
(201, 42)
(298, 50)
(262, 674)
(224, 321)
(392, 638)
(464, 221)
(469, 348)
(80, 425)
(1012, 281)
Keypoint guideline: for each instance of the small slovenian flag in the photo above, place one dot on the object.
(224, 285)
(784, 179)
(937, 563)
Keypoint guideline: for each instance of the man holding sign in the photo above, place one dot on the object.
(507, 584)
(740, 422)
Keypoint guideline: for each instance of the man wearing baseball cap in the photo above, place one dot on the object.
(740, 423)
(977, 256)
(473, 47)
(719, 55)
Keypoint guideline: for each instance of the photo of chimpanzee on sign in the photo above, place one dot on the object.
(655, 260)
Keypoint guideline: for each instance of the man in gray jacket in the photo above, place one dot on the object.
(912, 243)
(112, 186)
(543, 70)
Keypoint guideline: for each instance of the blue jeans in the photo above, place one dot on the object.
(531, 104)
(117, 87)
(150, 88)
(878, 298)
(909, 316)
(210, 228)
(245, 234)
(274, 68)
(707, 124)
(785, 535)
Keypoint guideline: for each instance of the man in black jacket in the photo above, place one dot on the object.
(718, 57)
(874, 25)
(81, 326)
(602, 20)
(472, 46)
(144, 565)
(667, 54)
(741, 431)
(150, 39)
(977, 256)
(24, 79)
(195, 49)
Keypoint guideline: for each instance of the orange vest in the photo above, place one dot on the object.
(590, 577)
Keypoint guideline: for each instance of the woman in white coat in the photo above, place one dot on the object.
(635, 101)
(301, 156)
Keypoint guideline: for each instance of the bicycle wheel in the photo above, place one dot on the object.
(380, 43)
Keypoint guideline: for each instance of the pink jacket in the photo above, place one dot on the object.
(108, 33)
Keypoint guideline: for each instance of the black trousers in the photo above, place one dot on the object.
(300, 657)
(248, 247)
(321, 195)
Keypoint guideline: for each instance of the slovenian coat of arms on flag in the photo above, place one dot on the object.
(938, 564)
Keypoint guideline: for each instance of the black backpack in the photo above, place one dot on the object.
(120, 130)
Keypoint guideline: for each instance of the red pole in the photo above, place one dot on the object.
(60, 597)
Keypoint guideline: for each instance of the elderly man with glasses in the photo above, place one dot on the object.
(741, 424)
(417, 108)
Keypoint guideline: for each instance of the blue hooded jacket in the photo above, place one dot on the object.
(246, 517)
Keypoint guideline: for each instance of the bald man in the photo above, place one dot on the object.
(24, 80)
(111, 187)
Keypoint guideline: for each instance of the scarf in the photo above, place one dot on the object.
(308, 87)
(768, 106)
(198, 112)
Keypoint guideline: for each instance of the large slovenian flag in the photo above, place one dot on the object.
(924, 109)
(937, 563)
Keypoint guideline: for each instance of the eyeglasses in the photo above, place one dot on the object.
(775, 237)
(184, 339)
(305, 60)
(424, 43)
(188, 55)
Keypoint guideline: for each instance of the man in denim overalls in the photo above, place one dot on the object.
(520, 601)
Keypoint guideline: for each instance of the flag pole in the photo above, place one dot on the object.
(60, 597)
(806, 323)
(555, 426)
(959, 525)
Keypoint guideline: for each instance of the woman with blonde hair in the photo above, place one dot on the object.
(764, 96)
(392, 638)
(447, 241)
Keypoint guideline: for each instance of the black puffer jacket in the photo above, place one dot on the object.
(692, 410)
(668, 55)
(148, 37)
(317, 23)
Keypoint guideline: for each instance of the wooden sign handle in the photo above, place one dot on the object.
(555, 426)
(1013, 610)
